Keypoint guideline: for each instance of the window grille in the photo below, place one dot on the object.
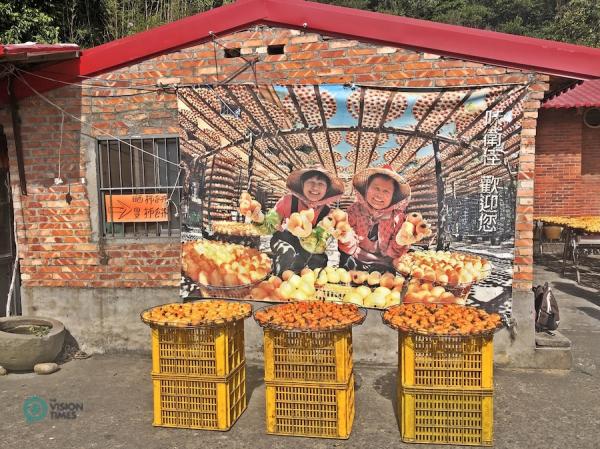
(125, 170)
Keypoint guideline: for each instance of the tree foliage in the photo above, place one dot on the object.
(21, 22)
(127, 17)
(92, 22)
(574, 21)
(577, 22)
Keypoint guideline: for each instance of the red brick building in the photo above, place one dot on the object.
(567, 163)
(96, 278)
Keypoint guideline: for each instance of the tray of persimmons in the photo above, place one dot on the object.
(441, 320)
(310, 316)
(196, 314)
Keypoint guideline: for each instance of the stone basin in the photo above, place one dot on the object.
(20, 351)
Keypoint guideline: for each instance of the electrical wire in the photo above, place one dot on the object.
(144, 90)
(118, 95)
(101, 131)
(131, 85)
(215, 40)
(98, 96)
(104, 80)
(175, 185)
(7, 70)
(63, 112)
(62, 124)
(250, 64)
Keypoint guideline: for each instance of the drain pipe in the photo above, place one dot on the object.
(15, 270)
(16, 122)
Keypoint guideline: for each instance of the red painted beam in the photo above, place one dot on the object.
(128, 50)
(68, 73)
(460, 42)
(501, 49)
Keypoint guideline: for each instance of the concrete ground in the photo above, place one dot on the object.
(532, 409)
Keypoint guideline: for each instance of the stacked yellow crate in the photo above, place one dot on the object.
(199, 375)
(309, 383)
(445, 389)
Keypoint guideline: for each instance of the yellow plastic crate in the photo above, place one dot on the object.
(446, 362)
(324, 357)
(200, 403)
(457, 417)
(213, 351)
(310, 410)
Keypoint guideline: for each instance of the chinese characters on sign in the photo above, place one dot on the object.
(493, 147)
(493, 154)
(136, 208)
(488, 204)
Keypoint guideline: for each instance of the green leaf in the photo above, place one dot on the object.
(270, 224)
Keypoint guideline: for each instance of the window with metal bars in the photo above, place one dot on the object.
(148, 165)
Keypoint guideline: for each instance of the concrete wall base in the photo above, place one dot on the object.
(108, 320)
(100, 319)
(516, 347)
(554, 358)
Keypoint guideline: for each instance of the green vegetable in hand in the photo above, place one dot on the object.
(270, 224)
(316, 242)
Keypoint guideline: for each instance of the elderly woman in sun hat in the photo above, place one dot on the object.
(376, 217)
(311, 191)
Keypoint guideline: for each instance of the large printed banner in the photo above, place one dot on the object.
(364, 178)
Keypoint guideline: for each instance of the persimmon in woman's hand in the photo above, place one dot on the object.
(300, 223)
(413, 230)
(250, 208)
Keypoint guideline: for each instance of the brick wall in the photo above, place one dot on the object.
(560, 186)
(58, 241)
(590, 151)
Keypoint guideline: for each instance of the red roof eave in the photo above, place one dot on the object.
(585, 94)
(494, 48)
(456, 41)
(32, 52)
(12, 49)
(449, 40)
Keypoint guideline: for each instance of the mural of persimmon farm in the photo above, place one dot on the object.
(453, 152)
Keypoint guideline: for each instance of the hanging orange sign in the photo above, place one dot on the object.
(136, 208)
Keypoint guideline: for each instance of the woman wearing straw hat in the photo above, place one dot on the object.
(310, 188)
(376, 217)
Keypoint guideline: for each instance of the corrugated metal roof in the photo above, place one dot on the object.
(32, 52)
(581, 95)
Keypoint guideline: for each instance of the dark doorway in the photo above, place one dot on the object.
(7, 238)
